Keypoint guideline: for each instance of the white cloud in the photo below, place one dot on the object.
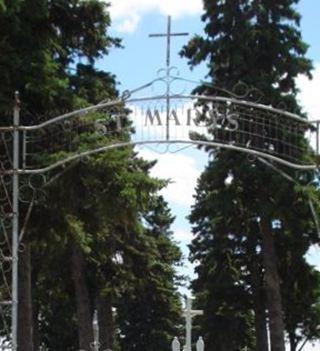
(181, 234)
(308, 347)
(181, 169)
(313, 256)
(309, 95)
(129, 24)
(126, 14)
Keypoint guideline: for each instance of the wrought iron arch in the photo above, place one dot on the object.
(226, 120)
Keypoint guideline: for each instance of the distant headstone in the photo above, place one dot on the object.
(200, 344)
(175, 345)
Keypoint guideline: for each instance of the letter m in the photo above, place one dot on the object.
(153, 118)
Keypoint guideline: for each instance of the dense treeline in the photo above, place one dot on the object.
(252, 226)
(100, 240)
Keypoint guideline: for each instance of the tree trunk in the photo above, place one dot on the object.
(262, 343)
(292, 341)
(106, 325)
(272, 285)
(36, 336)
(84, 314)
(25, 316)
(35, 304)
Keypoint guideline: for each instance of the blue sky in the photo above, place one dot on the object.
(141, 57)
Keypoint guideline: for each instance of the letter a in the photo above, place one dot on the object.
(175, 117)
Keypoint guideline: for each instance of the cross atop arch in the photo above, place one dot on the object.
(168, 35)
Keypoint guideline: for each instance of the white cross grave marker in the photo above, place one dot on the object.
(189, 313)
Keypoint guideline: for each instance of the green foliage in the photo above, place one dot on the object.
(149, 313)
(258, 43)
(106, 206)
(128, 258)
(42, 41)
(219, 250)
(2, 6)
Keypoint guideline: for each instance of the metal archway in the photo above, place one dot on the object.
(215, 121)
(228, 122)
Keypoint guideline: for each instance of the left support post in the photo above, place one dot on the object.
(15, 221)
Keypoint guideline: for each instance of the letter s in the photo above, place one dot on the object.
(232, 119)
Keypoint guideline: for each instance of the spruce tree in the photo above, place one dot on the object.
(149, 313)
(219, 250)
(40, 40)
(79, 235)
(257, 42)
(42, 43)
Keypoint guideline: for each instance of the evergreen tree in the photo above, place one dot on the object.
(97, 235)
(39, 44)
(149, 313)
(78, 237)
(219, 249)
(257, 42)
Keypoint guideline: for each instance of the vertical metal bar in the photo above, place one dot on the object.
(15, 222)
(168, 106)
(317, 139)
(169, 41)
(168, 79)
(24, 149)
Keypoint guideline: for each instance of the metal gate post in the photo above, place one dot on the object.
(15, 222)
